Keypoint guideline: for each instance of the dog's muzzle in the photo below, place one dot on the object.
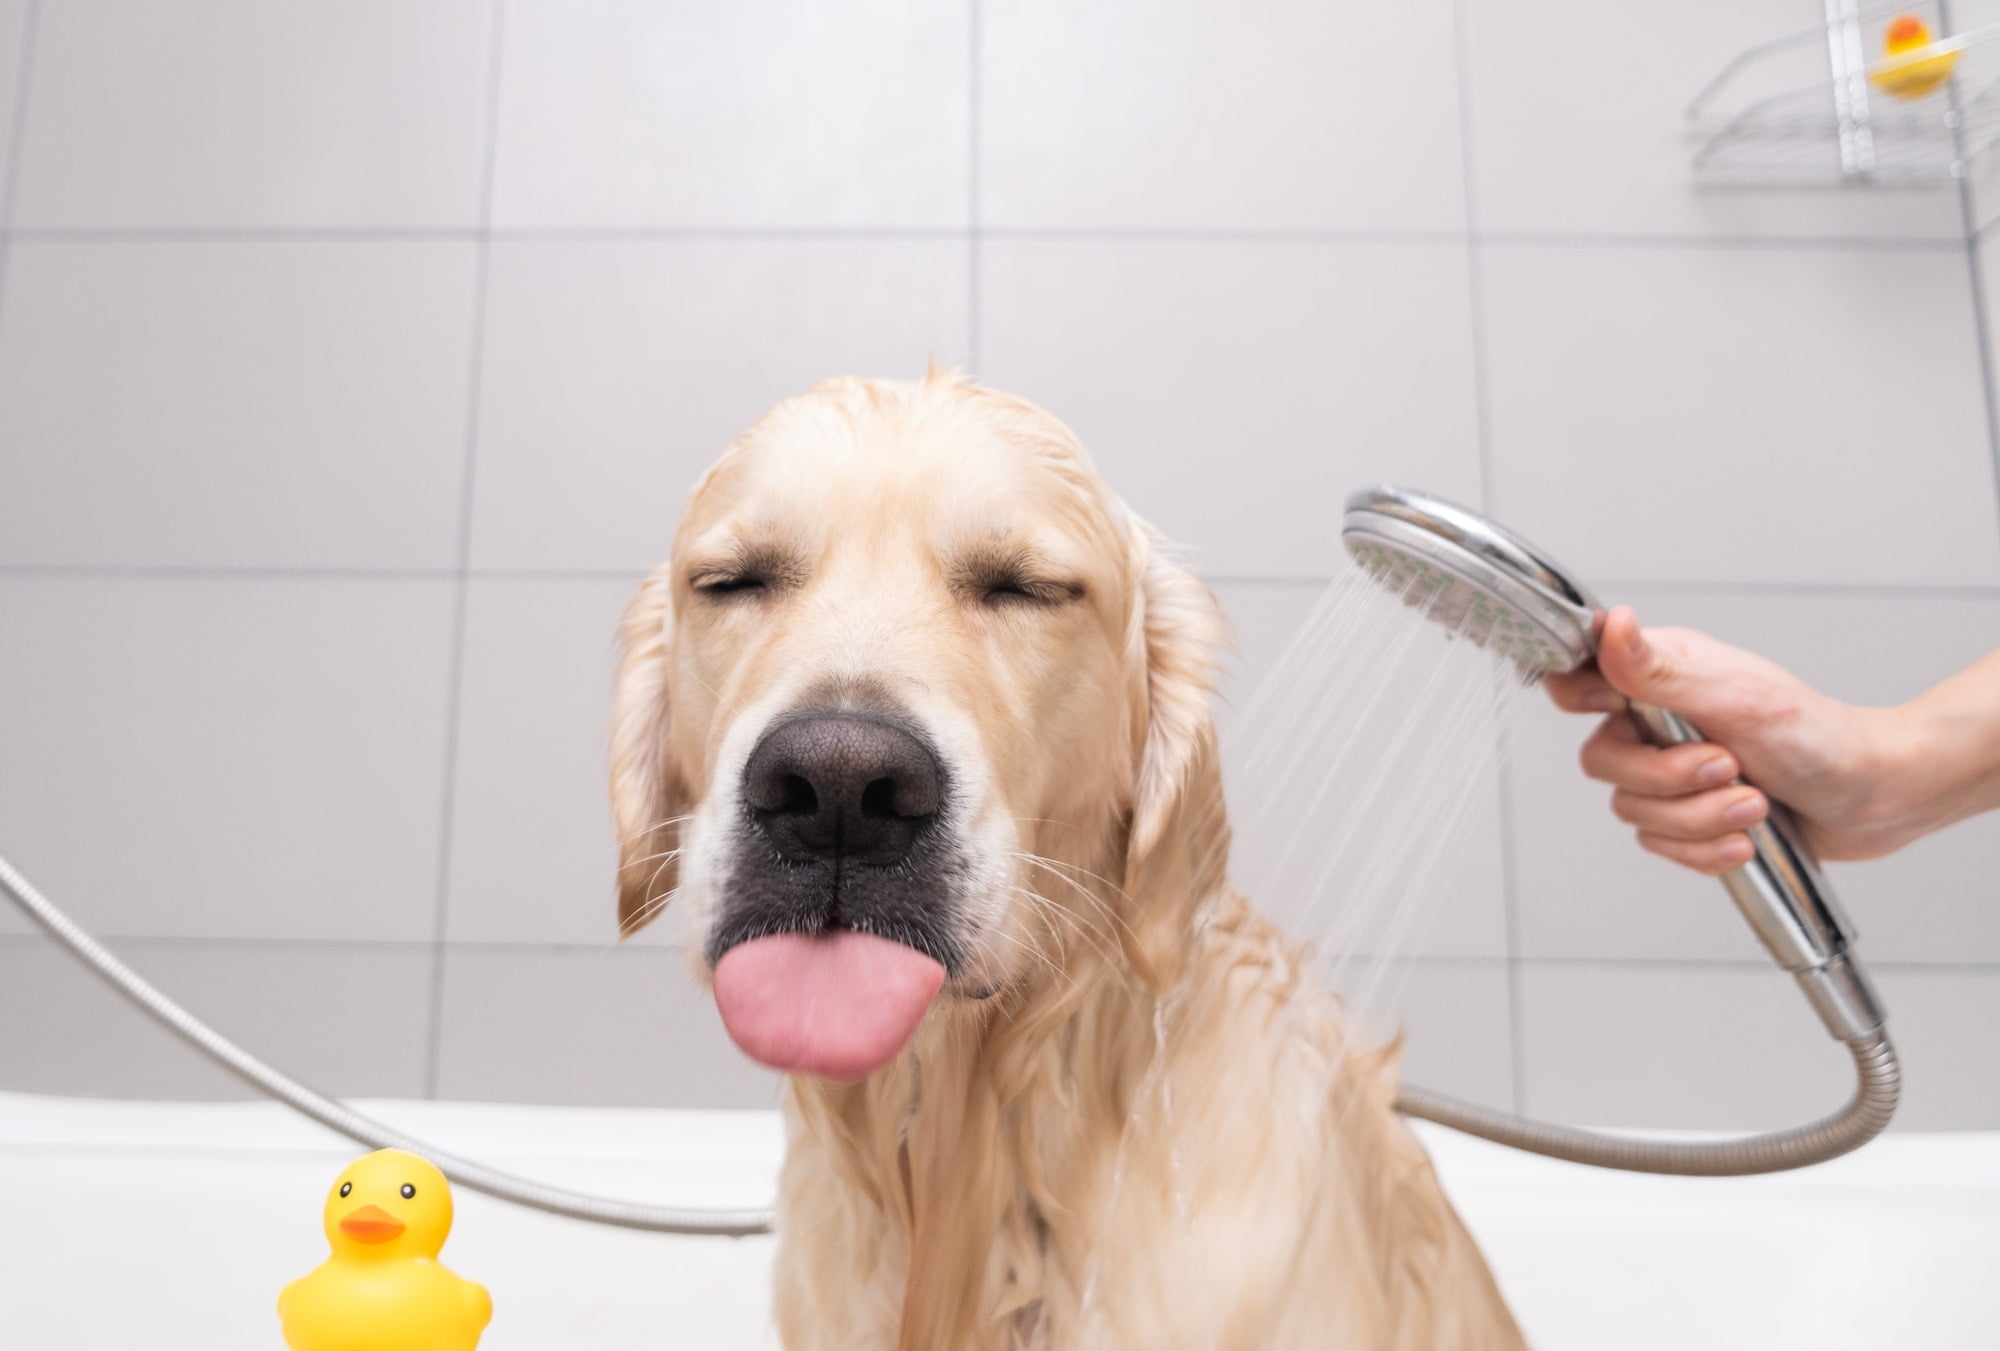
(836, 929)
(844, 827)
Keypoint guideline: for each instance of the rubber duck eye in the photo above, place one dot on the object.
(346, 1187)
(408, 1191)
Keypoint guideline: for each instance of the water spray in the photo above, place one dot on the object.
(1493, 588)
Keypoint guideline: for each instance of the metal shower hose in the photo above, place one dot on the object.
(1864, 1116)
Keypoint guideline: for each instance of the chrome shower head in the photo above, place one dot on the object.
(1489, 585)
(1480, 580)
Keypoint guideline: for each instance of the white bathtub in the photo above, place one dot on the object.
(172, 1226)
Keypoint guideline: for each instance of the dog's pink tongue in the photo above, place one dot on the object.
(838, 1005)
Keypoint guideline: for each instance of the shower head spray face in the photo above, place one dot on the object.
(1480, 580)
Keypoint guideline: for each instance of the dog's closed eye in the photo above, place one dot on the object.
(1030, 591)
(729, 584)
(745, 571)
(1014, 580)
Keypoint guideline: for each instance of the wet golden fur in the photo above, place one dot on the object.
(1149, 1132)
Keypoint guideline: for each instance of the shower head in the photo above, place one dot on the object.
(1488, 585)
(1480, 580)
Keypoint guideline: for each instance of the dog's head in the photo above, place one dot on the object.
(911, 680)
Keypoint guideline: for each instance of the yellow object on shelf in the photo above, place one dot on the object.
(1915, 65)
(383, 1288)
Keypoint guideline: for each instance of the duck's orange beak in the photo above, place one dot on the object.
(371, 1224)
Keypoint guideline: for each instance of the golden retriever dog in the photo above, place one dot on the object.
(914, 728)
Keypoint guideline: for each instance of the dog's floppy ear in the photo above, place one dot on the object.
(1178, 635)
(648, 792)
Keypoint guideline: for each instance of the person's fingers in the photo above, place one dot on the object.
(1584, 691)
(1713, 857)
(1701, 816)
(1640, 668)
(1614, 754)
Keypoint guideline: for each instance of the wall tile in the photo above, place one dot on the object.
(240, 758)
(1234, 393)
(778, 114)
(1675, 1047)
(1588, 890)
(1987, 296)
(612, 1026)
(1265, 619)
(1739, 1049)
(1731, 415)
(347, 1019)
(615, 373)
(1579, 123)
(237, 404)
(1459, 912)
(1946, 1025)
(232, 113)
(13, 31)
(1268, 115)
(534, 856)
(1455, 1023)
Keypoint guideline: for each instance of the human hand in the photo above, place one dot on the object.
(1850, 775)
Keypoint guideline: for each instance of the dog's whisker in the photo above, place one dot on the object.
(645, 913)
(1103, 906)
(1062, 920)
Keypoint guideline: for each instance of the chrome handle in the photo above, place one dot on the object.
(1789, 906)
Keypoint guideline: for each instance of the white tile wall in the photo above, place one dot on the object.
(13, 32)
(346, 1018)
(234, 404)
(532, 849)
(1742, 414)
(324, 469)
(1456, 1021)
(241, 113)
(616, 372)
(1579, 123)
(622, 1027)
(1728, 1048)
(777, 114)
(1309, 368)
(1697, 1048)
(1465, 915)
(227, 757)
(1269, 114)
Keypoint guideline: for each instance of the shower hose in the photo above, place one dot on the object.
(1864, 1116)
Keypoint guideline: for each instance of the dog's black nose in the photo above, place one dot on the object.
(844, 786)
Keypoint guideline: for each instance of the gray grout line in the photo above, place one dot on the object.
(1004, 234)
(1982, 323)
(612, 947)
(10, 171)
(455, 676)
(17, 133)
(667, 234)
(118, 572)
(243, 234)
(974, 356)
(1775, 243)
(86, 572)
(1807, 590)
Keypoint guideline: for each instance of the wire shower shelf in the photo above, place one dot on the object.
(1843, 129)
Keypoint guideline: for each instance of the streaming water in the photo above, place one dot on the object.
(1362, 783)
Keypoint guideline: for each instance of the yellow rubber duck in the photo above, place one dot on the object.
(1912, 67)
(384, 1289)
